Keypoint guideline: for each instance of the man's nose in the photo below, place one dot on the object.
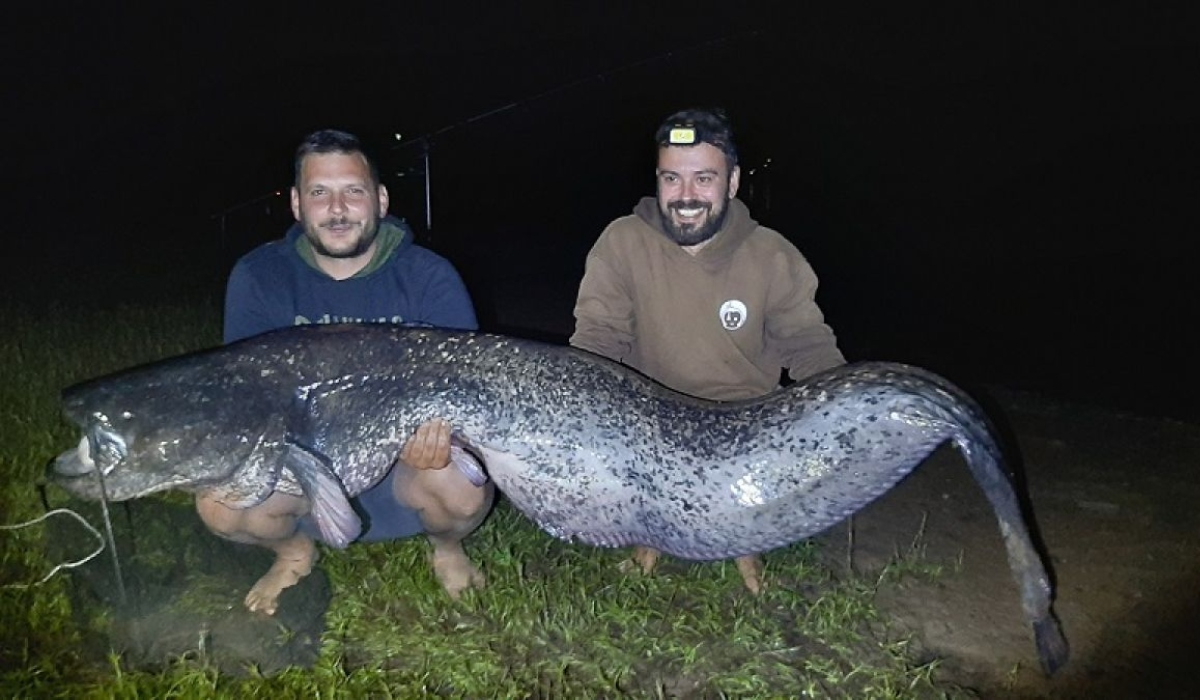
(337, 202)
(688, 189)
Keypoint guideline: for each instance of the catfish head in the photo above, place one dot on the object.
(192, 423)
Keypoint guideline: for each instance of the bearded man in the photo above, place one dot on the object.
(692, 292)
(346, 260)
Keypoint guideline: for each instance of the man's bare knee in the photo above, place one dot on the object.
(444, 497)
(218, 518)
(465, 501)
(272, 520)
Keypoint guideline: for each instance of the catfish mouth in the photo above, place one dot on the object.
(77, 473)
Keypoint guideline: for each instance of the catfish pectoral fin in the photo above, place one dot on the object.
(335, 518)
(466, 462)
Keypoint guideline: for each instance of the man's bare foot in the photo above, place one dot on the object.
(454, 570)
(643, 558)
(646, 558)
(750, 567)
(292, 564)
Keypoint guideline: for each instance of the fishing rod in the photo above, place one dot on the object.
(426, 140)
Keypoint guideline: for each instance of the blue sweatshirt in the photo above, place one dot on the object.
(273, 287)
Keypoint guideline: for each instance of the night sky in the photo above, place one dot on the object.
(1006, 196)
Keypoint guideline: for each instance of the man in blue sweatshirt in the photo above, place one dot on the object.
(346, 260)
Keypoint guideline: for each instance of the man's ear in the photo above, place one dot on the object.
(383, 200)
(295, 203)
(735, 179)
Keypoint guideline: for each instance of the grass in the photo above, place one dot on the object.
(555, 621)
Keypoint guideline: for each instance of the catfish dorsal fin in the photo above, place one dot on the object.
(335, 518)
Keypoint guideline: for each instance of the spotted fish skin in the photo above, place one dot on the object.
(588, 449)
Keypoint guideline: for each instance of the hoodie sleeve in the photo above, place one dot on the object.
(247, 311)
(796, 328)
(604, 307)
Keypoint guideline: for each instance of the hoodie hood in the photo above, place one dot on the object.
(394, 235)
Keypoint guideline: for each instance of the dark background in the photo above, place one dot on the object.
(1003, 195)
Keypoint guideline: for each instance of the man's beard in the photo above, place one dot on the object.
(370, 230)
(691, 234)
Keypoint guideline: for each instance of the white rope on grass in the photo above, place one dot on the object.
(67, 565)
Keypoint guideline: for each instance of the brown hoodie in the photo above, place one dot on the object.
(719, 324)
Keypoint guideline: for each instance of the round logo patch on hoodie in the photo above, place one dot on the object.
(733, 315)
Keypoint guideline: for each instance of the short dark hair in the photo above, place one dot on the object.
(332, 141)
(710, 126)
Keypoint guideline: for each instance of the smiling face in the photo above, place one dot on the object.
(694, 189)
(339, 205)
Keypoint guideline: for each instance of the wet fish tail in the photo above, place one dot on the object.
(976, 441)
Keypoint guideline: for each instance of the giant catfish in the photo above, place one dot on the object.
(588, 449)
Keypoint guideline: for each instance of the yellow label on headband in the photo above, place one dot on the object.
(682, 135)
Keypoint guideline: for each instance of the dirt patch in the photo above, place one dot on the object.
(1115, 501)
